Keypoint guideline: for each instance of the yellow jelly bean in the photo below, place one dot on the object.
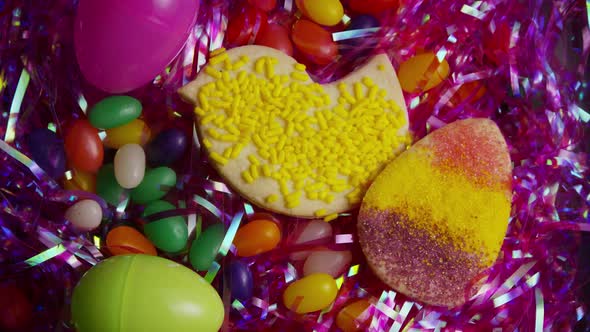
(135, 131)
(422, 72)
(326, 12)
(312, 293)
(350, 318)
(81, 180)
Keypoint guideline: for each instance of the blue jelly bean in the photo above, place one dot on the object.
(48, 151)
(240, 280)
(167, 147)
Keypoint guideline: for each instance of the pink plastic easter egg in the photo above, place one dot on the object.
(122, 45)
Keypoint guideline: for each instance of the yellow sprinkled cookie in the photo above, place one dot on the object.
(291, 145)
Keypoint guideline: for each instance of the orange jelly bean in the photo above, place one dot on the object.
(124, 240)
(314, 41)
(257, 237)
(81, 180)
(422, 72)
(83, 146)
(348, 319)
(136, 132)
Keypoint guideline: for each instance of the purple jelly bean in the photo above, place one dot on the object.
(167, 147)
(240, 280)
(48, 151)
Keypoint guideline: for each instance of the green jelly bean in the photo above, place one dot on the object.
(114, 112)
(168, 234)
(107, 186)
(155, 184)
(204, 248)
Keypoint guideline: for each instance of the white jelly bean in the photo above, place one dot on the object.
(85, 215)
(130, 165)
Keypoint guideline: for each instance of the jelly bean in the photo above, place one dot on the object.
(351, 317)
(312, 231)
(168, 234)
(257, 237)
(130, 165)
(47, 151)
(496, 44)
(362, 22)
(85, 215)
(330, 262)
(422, 72)
(374, 7)
(314, 42)
(15, 308)
(275, 36)
(114, 112)
(312, 293)
(81, 181)
(83, 146)
(240, 280)
(265, 5)
(469, 92)
(123, 240)
(135, 131)
(326, 12)
(167, 147)
(155, 184)
(107, 186)
(244, 27)
(205, 248)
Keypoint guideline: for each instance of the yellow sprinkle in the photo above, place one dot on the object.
(200, 111)
(264, 154)
(270, 69)
(207, 143)
(218, 158)
(247, 176)
(228, 138)
(299, 76)
(213, 72)
(358, 91)
(227, 64)
(227, 152)
(208, 118)
(218, 59)
(214, 133)
(381, 67)
(368, 82)
(272, 198)
(217, 51)
(320, 212)
(203, 101)
(266, 170)
(330, 217)
(300, 66)
(253, 159)
(254, 171)
(241, 76)
(237, 150)
(259, 65)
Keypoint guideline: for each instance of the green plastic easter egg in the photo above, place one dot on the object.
(204, 248)
(168, 234)
(107, 186)
(114, 112)
(155, 185)
(144, 293)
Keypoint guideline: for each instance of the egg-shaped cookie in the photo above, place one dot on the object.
(437, 215)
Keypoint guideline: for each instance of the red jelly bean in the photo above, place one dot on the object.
(275, 36)
(374, 7)
(496, 44)
(243, 28)
(314, 42)
(15, 308)
(266, 5)
(83, 146)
